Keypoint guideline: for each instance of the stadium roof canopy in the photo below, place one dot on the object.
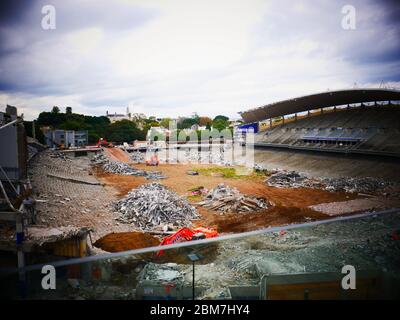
(319, 100)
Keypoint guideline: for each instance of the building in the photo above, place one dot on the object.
(14, 155)
(359, 121)
(136, 117)
(67, 138)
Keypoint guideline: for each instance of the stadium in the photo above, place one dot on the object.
(327, 132)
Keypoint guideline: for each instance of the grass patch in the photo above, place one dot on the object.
(195, 198)
(231, 173)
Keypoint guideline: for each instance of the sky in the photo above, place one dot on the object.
(171, 58)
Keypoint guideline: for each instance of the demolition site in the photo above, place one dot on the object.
(322, 191)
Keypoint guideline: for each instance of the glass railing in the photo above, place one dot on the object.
(356, 258)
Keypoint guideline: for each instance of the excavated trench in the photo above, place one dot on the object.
(123, 241)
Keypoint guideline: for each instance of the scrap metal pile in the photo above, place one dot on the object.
(290, 179)
(226, 199)
(153, 205)
(363, 185)
(137, 157)
(124, 168)
(293, 179)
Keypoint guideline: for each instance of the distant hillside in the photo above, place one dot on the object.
(98, 127)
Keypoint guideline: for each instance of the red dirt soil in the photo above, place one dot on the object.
(122, 241)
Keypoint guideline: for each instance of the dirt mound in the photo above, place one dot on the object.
(117, 155)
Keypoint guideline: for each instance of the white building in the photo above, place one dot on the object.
(137, 117)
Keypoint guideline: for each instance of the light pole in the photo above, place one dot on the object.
(194, 257)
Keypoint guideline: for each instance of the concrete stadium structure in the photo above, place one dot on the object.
(365, 121)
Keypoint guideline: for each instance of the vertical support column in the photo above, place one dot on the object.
(295, 117)
(193, 286)
(33, 130)
(20, 254)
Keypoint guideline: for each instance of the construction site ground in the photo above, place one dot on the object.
(85, 199)
(70, 192)
(365, 244)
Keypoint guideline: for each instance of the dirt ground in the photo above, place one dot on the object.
(290, 205)
(122, 241)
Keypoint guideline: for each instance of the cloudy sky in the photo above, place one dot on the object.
(176, 57)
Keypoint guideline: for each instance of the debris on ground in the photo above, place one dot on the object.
(294, 179)
(349, 184)
(137, 157)
(226, 199)
(124, 168)
(153, 205)
(356, 205)
(289, 179)
(58, 155)
(161, 274)
(41, 234)
(197, 191)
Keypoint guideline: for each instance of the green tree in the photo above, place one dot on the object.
(55, 109)
(220, 124)
(221, 117)
(165, 122)
(38, 133)
(124, 131)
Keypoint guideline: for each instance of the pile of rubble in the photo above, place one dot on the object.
(363, 185)
(226, 199)
(290, 179)
(153, 205)
(58, 155)
(137, 157)
(293, 179)
(213, 156)
(161, 274)
(125, 169)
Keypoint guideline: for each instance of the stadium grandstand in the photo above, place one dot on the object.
(365, 121)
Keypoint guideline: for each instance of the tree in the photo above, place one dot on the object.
(186, 123)
(221, 117)
(124, 131)
(165, 122)
(68, 110)
(95, 125)
(203, 121)
(38, 133)
(220, 124)
(55, 109)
